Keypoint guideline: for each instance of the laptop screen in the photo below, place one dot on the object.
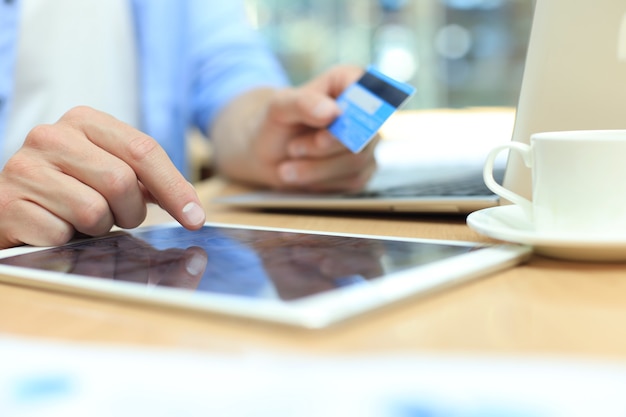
(575, 74)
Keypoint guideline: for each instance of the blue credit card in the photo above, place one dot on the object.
(366, 105)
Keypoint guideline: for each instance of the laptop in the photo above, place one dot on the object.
(574, 78)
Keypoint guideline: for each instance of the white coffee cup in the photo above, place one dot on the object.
(578, 182)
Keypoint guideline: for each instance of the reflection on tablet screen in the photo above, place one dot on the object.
(238, 261)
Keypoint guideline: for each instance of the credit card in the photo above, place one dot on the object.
(366, 105)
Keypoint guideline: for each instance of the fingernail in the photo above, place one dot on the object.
(288, 173)
(325, 109)
(193, 214)
(196, 264)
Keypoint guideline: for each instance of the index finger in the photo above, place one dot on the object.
(314, 102)
(147, 158)
(336, 79)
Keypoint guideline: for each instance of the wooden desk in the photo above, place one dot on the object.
(543, 307)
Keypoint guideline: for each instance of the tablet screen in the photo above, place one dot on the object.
(239, 261)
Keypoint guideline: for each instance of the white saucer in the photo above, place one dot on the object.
(509, 223)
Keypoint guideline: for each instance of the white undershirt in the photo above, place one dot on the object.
(72, 52)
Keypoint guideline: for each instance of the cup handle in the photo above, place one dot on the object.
(490, 182)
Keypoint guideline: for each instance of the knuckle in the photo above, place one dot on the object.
(78, 113)
(19, 226)
(91, 215)
(59, 236)
(20, 168)
(142, 147)
(303, 103)
(9, 229)
(119, 181)
(10, 200)
(41, 137)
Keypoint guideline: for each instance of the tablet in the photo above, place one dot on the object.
(295, 277)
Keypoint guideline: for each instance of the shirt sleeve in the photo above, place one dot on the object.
(228, 58)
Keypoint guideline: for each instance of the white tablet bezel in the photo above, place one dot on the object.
(316, 311)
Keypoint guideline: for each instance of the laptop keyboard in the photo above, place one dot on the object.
(472, 185)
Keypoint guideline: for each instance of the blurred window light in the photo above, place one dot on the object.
(394, 51)
(398, 63)
(453, 41)
(474, 4)
(392, 5)
(457, 52)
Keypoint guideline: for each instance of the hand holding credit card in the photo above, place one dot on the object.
(366, 105)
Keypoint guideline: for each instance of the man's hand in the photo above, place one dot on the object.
(278, 138)
(86, 173)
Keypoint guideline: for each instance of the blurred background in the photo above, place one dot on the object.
(458, 53)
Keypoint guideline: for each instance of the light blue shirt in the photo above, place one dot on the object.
(194, 57)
